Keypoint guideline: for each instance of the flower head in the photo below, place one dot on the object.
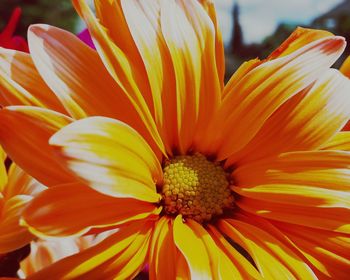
(203, 180)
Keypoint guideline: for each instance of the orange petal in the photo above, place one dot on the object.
(327, 251)
(298, 39)
(94, 263)
(191, 245)
(21, 183)
(263, 90)
(274, 259)
(122, 69)
(162, 256)
(21, 83)
(185, 50)
(323, 169)
(71, 209)
(334, 219)
(211, 81)
(24, 133)
(12, 235)
(306, 121)
(111, 157)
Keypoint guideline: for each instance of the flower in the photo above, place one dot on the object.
(16, 190)
(203, 180)
(7, 39)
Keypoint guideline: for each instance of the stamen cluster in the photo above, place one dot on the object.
(196, 188)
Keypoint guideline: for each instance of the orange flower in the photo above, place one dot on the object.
(16, 190)
(204, 181)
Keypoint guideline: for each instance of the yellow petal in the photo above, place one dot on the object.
(193, 248)
(121, 69)
(3, 171)
(305, 122)
(21, 83)
(12, 235)
(220, 264)
(340, 141)
(24, 133)
(263, 90)
(245, 267)
(71, 209)
(274, 259)
(83, 264)
(111, 157)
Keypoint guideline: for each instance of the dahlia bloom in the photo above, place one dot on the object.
(203, 180)
(16, 190)
(7, 40)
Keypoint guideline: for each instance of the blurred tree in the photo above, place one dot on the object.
(55, 12)
(237, 35)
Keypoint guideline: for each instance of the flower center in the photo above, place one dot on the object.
(196, 188)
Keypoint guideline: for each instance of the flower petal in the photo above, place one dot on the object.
(327, 251)
(245, 267)
(340, 141)
(93, 263)
(298, 39)
(12, 235)
(273, 258)
(20, 182)
(71, 209)
(24, 133)
(185, 51)
(190, 244)
(263, 90)
(305, 122)
(345, 68)
(211, 82)
(323, 169)
(220, 263)
(21, 83)
(127, 75)
(111, 157)
(163, 251)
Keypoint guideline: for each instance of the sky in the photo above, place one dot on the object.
(260, 18)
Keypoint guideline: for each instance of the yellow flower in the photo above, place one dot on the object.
(203, 180)
(16, 189)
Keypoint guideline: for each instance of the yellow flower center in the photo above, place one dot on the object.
(196, 188)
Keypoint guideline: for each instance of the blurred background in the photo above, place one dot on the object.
(251, 28)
